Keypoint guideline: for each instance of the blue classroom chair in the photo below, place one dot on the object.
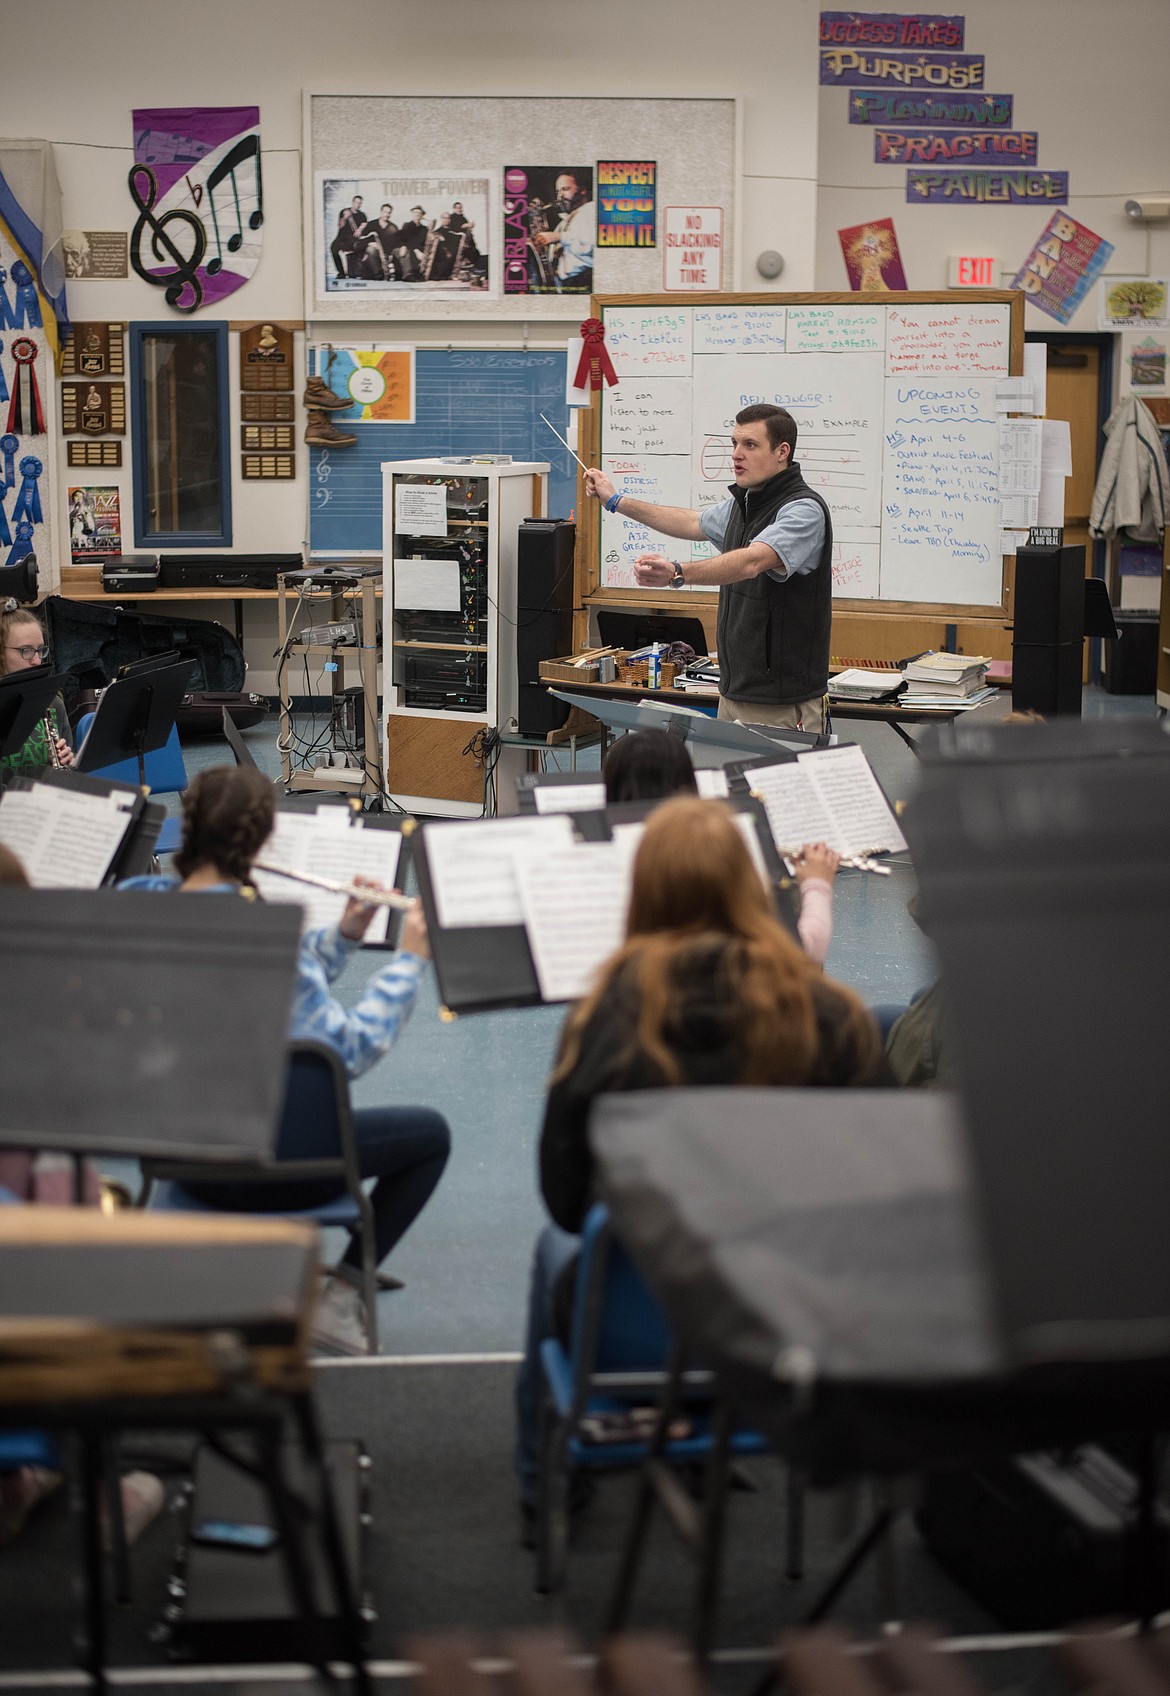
(166, 774)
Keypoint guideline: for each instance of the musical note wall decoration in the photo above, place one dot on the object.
(198, 189)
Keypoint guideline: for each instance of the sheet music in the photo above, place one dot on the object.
(796, 811)
(472, 866)
(628, 836)
(569, 797)
(574, 906)
(326, 844)
(712, 782)
(852, 795)
(64, 838)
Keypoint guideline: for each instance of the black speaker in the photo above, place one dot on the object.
(1046, 677)
(544, 617)
(1050, 594)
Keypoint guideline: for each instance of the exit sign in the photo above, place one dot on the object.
(972, 271)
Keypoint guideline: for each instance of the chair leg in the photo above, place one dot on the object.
(119, 1550)
(91, 1457)
(552, 1504)
(344, 1592)
(878, 1528)
(369, 1270)
(715, 1496)
(640, 1524)
(286, 1512)
(794, 1526)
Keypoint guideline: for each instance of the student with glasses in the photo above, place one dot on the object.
(23, 648)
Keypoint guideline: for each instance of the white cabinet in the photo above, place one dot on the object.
(449, 622)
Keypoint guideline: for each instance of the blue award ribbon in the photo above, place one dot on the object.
(5, 533)
(28, 307)
(3, 384)
(7, 316)
(28, 501)
(8, 447)
(22, 546)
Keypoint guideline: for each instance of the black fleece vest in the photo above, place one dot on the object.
(773, 637)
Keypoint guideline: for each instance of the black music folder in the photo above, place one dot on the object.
(1046, 889)
(146, 1025)
(135, 716)
(25, 698)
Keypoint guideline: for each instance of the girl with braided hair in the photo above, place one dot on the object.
(228, 814)
(22, 648)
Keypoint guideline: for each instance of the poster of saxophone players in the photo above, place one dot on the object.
(550, 228)
(426, 234)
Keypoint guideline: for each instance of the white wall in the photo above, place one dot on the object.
(1091, 79)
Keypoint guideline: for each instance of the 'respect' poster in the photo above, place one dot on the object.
(626, 202)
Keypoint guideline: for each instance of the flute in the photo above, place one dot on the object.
(855, 862)
(355, 892)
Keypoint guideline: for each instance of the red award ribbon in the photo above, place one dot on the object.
(24, 409)
(595, 362)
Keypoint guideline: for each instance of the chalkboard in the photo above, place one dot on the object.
(467, 400)
(895, 401)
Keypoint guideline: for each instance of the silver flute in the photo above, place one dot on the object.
(372, 897)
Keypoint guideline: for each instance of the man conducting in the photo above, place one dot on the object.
(773, 572)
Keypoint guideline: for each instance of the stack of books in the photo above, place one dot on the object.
(946, 680)
(860, 683)
(701, 677)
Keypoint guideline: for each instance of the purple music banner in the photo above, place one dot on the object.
(889, 29)
(945, 147)
(850, 67)
(197, 186)
(985, 188)
(940, 106)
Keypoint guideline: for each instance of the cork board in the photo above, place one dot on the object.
(361, 138)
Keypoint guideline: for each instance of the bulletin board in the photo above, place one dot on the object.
(405, 140)
(895, 399)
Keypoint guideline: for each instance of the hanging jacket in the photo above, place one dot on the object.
(1132, 492)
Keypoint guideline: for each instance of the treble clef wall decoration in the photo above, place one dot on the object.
(183, 280)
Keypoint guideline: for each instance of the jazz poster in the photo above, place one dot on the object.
(198, 193)
(550, 229)
(413, 233)
(1062, 266)
(95, 526)
(626, 202)
(872, 257)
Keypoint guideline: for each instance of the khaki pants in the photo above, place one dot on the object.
(800, 715)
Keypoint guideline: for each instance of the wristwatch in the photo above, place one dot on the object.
(678, 579)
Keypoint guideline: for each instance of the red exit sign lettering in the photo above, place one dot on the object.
(973, 271)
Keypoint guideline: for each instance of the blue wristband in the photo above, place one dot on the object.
(611, 504)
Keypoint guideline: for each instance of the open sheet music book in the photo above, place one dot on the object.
(472, 867)
(830, 796)
(66, 837)
(332, 843)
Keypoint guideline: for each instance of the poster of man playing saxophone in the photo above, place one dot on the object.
(418, 233)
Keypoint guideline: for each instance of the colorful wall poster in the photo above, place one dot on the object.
(405, 231)
(1135, 303)
(550, 229)
(692, 247)
(938, 106)
(380, 381)
(1147, 364)
(872, 257)
(626, 202)
(196, 185)
(944, 147)
(1062, 266)
(890, 29)
(95, 527)
(846, 67)
(984, 188)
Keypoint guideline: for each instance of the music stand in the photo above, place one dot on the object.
(639, 629)
(25, 698)
(173, 1019)
(134, 718)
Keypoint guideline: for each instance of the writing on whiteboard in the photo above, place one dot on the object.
(836, 329)
(650, 340)
(649, 415)
(934, 340)
(739, 329)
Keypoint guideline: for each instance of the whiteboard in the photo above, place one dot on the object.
(895, 404)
